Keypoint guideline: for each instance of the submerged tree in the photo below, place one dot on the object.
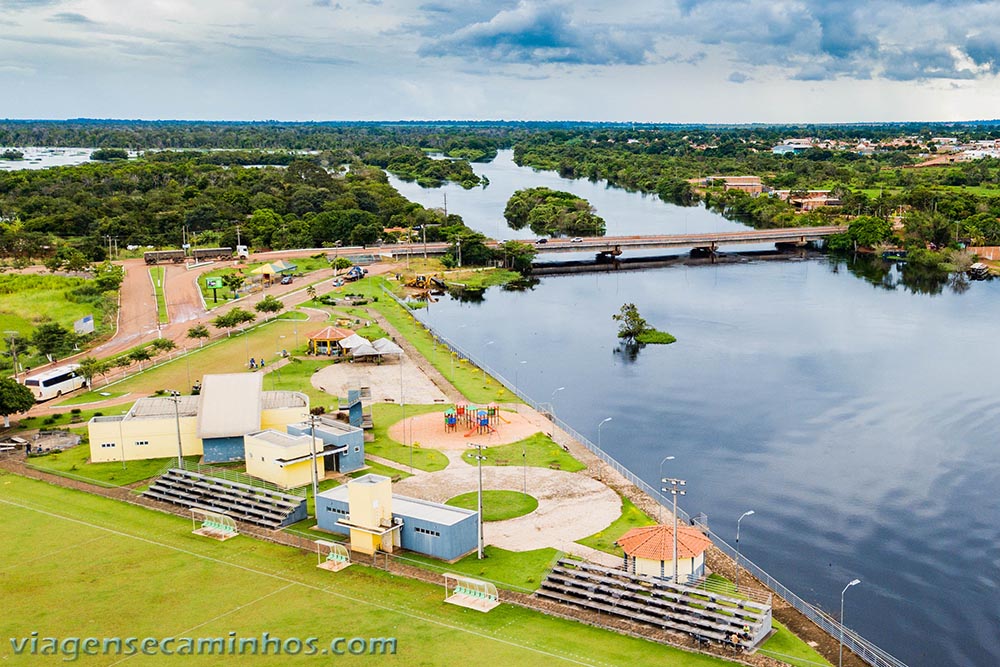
(630, 323)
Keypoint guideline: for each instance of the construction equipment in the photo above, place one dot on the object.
(355, 273)
(426, 282)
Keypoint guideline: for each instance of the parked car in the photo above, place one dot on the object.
(286, 280)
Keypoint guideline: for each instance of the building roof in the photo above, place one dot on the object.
(157, 407)
(230, 405)
(270, 400)
(657, 542)
(406, 507)
(281, 439)
(331, 333)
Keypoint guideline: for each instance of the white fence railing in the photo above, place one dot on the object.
(863, 648)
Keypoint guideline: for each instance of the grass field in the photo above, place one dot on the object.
(156, 274)
(537, 451)
(225, 295)
(631, 517)
(466, 377)
(516, 570)
(29, 300)
(786, 647)
(84, 566)
(73, 463)
(497, 505)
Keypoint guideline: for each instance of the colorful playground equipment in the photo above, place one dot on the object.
(479, 420)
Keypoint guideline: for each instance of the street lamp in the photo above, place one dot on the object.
(854, 582)
(743, 516)
(659, 515)
(674, 491)
(605, 421)
(176, 398)
(479, 462)
(315, 471)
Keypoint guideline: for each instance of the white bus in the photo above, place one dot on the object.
(55, 382)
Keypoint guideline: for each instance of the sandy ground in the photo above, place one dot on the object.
(571, 506)
(384, 379)
(429, 431)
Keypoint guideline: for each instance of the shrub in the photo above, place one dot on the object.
(75, 411)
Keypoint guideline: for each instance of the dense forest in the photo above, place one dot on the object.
(314, 184)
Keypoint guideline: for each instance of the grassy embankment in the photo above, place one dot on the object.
(631, 517)
(249, 587)
(156, 276)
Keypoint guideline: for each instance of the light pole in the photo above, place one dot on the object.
(674, 491)
(479, 462)
(176, 398)
(315, 472)
(854, 582)
(743, 516)
(659, 516)
(606, 420)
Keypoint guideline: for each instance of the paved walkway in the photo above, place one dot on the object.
(571, 506)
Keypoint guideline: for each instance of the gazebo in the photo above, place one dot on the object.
(649, 550)
(269, 272)
(386, 347)
(327, 340)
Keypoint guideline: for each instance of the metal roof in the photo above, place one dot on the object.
(270, 400)
(157, 407)
(230, 405)
(406, 507)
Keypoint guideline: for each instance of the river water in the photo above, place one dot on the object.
(857, 417)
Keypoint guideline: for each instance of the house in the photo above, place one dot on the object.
(376, 519)
(649, 550)
(749, 184)
(212, 424)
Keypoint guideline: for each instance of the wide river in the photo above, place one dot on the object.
(859, 422)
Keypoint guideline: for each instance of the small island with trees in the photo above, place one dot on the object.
(634, 330)
(553, 212)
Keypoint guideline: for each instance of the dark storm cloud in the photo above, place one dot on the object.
(530, 33)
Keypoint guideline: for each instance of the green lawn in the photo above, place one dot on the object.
(467, 378)
(788, 648)
(73, 463)
(380, 469)
(631, 517)
(225, 295)
(517, 570)
(156, 275)
(538, 451)
(31, 299)
(67, 418)
(85, 566)
(497, 505)
(93, 396)
(385, 415)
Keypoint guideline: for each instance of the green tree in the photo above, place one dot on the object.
(199, 332)
(234, 318)
(234, 281)
(91, 366)
(341, 264)
(517, 256)
(14, 398)
(269, 305)
(630, 324)
(53, 340)
(311, 292)
(139, 355)
(163, 344)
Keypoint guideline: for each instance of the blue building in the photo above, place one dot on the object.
(376, 519)
(341, 445)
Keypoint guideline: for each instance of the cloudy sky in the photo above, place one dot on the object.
(633, 60)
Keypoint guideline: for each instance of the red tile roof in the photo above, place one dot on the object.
(331, 333)
(657, 542)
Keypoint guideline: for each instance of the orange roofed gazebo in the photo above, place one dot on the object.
(650, 550)
(325, 340)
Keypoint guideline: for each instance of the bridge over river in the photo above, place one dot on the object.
(616, 245)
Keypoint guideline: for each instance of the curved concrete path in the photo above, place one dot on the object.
(571, 506)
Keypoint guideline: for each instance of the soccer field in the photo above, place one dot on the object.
(75, 566)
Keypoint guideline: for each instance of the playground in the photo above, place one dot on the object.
(454, 428)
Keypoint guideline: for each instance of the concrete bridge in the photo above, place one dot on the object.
(613, 246)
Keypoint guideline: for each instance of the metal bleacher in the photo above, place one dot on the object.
(705, 615)
(261, 507)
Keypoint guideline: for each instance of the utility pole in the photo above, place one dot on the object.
(238, 235)
(480, 457)
(175, 396)
(315, 472)
(12, 345)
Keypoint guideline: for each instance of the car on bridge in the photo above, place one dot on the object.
(576, 239)
(541, 241)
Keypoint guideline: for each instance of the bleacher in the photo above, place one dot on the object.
(261, 507)
(705, 615)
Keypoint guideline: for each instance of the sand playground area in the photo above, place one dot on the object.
(429, 430)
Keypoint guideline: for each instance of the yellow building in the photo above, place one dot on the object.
(370, 521)
(649, 550)
(212, 424)
(280, 458)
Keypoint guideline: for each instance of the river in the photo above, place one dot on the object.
(856, 416)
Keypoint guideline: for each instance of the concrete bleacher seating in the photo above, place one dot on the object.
(706, 615)
(261, 507)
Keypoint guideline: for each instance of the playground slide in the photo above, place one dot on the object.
(501, 418)
(471, 431)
